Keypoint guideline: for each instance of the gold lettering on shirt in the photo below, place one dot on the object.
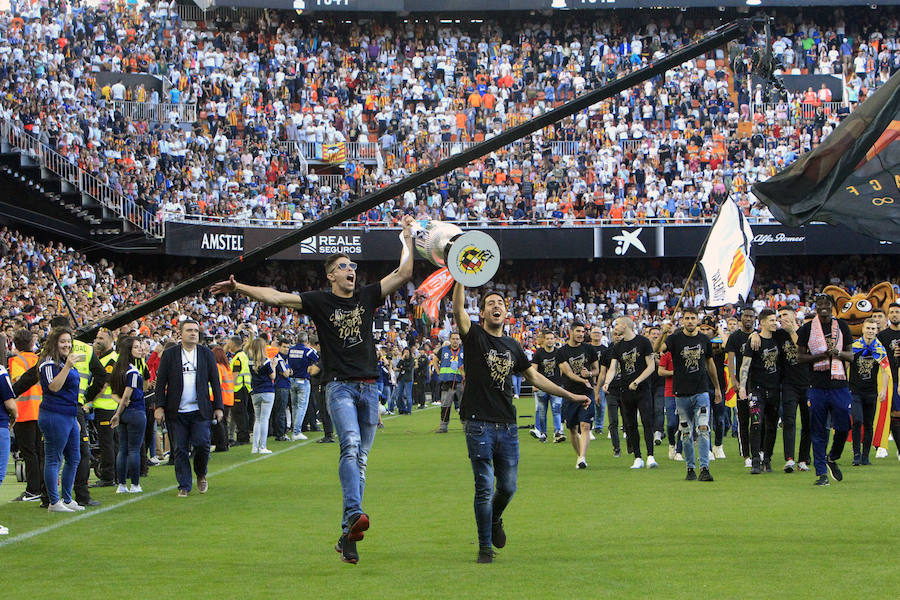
(348, 324)
(499, 365)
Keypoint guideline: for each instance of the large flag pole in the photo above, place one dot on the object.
(717, 38)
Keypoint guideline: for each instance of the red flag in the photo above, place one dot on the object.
(433, 289)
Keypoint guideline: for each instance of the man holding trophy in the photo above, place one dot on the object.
(344, 317)
(490, 359)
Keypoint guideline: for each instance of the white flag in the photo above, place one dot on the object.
(726, 263)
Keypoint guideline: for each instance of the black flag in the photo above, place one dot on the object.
(850, 179)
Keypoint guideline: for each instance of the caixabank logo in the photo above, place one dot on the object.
(326, 244)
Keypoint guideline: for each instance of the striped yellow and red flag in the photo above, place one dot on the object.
(730, 391)
(882, 426)
(738, 262)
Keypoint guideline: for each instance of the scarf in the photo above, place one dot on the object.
(874, 349)
(818, 345)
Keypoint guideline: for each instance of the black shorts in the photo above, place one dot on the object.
(574, 413)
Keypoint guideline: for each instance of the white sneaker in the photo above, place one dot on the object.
(748, 462)
(265, 451)
(671, 452)
(789, 466)
(651, 463)
(121, 489)
(515, 396)
(4, 530)
(73, 506)
(59, 507)
(581, 463)
(153, 461)
(679, 457)
(535, 433)
(657, 437)
(608, 435)
(638, 464)
(711, 456)
(802, 466)
(881, 453)
(593, 437)
(254, 450)
(298, 437)
(718, 452)
(135, 489)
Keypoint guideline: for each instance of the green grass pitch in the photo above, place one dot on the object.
(267, 528)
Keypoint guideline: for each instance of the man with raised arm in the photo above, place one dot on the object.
(343, 317)
(488, 412)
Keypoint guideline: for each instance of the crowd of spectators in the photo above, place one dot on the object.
(541, 293)
(669, 148)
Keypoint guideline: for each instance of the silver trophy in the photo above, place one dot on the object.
(471, 256)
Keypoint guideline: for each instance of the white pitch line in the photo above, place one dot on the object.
(91, 513)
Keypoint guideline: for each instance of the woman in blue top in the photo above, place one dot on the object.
(262, 392)
(127, 386)
(8, 413)
(57, 418)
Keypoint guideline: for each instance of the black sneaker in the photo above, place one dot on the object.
(485, 555)
(347, 549)
(498, 536)
(325, 440)
(357, 525)
(857, 460)
(767, 466)
(617, 454)
(822, 480)
(755, 468)
(865, 460)
(102, 483)
(691, 475)
(834, 469)
(705, 474)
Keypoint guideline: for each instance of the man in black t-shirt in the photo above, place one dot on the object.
(600, 348)
(868, 352)
(578, 364)
(734, 349)
(344, 319)
(890, 339)
(759, 382)
(544, 359)
(488, 412)
(794, 386)
(692, 371)
(613, 393)
(633, 355)
(825, 344)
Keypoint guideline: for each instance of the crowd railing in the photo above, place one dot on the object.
(70, 172)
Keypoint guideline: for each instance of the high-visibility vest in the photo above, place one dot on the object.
(83, 367)
(28, 403)
(226, 377)
(104, 399)
(241, 378)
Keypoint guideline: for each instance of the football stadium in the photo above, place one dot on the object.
(412, 299)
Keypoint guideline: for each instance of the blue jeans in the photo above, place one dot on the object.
(693, 412)
(353, 406)
(825, 403)
(600, 412)
(262, 408)
(189, 429)
(517, 384)
(493, 450)
(299, 402)
(404, 396)
(541, 400)
(132, 424)
(61, 438)
(672, 424)
(4, 451)
(390, 396)
(278, 418)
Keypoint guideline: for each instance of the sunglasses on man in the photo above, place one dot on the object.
(345, 266)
